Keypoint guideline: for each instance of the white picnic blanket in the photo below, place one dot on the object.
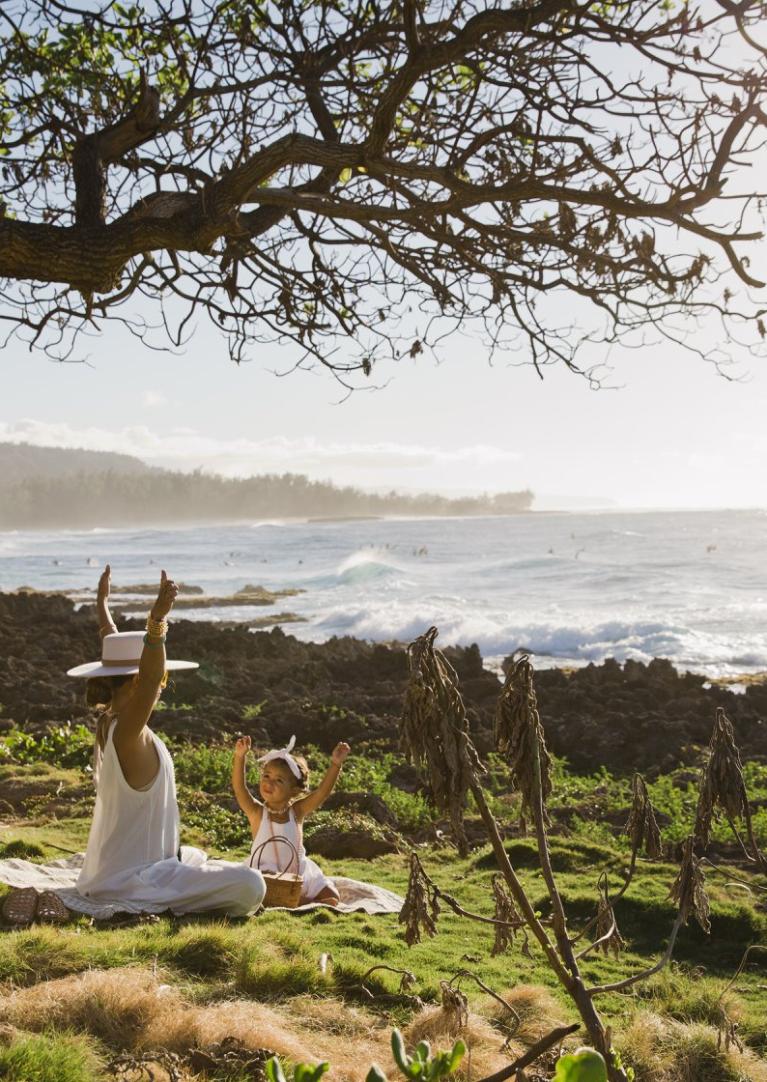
(61, 875)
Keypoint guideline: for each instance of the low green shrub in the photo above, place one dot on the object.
(65, 745)
(221, 827)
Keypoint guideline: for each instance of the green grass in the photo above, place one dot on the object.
(276, 956)
(55, 1057)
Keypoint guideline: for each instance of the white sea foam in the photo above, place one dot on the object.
(278, 522)
(641, 586)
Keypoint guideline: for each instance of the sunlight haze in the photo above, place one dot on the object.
(665, 431)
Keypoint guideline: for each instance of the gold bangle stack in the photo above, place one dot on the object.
(156, 629)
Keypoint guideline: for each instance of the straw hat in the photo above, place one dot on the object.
(120, 656)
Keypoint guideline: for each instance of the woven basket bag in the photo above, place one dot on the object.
(282, 888)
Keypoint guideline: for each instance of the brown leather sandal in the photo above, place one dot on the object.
(19, 906)
(50, 908)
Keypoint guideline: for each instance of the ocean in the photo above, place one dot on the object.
(569, 588)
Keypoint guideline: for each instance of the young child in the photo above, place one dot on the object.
(284, 779)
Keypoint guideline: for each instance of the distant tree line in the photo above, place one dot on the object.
(110, 497)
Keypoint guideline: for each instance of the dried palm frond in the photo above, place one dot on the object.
(505, 910)
(608, 937)
(689, 888)
(435, 732)
(421, 909)
(721, 783)
(642, 826)
(519, 736)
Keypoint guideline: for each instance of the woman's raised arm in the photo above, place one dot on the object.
(151, 672)
(107, 625)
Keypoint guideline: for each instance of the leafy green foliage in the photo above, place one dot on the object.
(65, 745)
(422, 1066)
(220, 826)
(583, 1065)
(368, 770)
(207, 767)
(302, 1072)
(219, 90)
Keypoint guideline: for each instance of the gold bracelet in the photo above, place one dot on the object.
(156, 628)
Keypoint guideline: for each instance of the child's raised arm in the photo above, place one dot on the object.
(244, 797)
(317, 798)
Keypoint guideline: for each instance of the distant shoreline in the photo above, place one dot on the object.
(319, 520)
(268, 520)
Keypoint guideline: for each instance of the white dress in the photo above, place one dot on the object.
(133, 849)
(278, 857)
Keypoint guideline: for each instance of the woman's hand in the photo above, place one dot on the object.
(339, 753)
(165, 597)
(102, 593)
(242, 747)
(103, 615)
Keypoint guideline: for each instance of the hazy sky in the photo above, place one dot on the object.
(674, 434)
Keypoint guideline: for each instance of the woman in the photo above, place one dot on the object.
(133, 856)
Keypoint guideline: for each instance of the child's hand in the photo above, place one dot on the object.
(242, 747)
(340, 751)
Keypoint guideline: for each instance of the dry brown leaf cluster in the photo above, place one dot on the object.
(519, 736)
(689, 888)
(421, 909)
(721, 783)
(455, 1006)
(642, 826)
(435, 732)
(506, 910)
(608, 937)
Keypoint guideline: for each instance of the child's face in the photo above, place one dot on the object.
(277, 784)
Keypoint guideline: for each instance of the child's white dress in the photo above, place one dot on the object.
(278, 857)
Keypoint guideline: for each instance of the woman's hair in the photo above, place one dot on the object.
(100, 689)
(303, 766)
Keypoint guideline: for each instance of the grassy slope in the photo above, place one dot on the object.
(275, 958)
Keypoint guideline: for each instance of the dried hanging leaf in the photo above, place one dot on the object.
(421, 909)
(435, 732)
(689, 888)
(721, 783)
(505, 910)
(607, 926)
(455, 1006)
(642, 826)
(519, 736)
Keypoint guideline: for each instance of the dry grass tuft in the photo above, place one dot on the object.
(255, 1025)
(664, 1050)
(483, 1041)
(133, 1011)
(114, 1005)
(300, 1030)
(331, 1016)
(539, 1012)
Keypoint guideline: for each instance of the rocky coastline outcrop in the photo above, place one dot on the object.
(626, 717)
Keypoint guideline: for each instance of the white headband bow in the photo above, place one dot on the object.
(284, 753)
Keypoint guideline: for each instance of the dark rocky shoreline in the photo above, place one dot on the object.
(625, 717)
